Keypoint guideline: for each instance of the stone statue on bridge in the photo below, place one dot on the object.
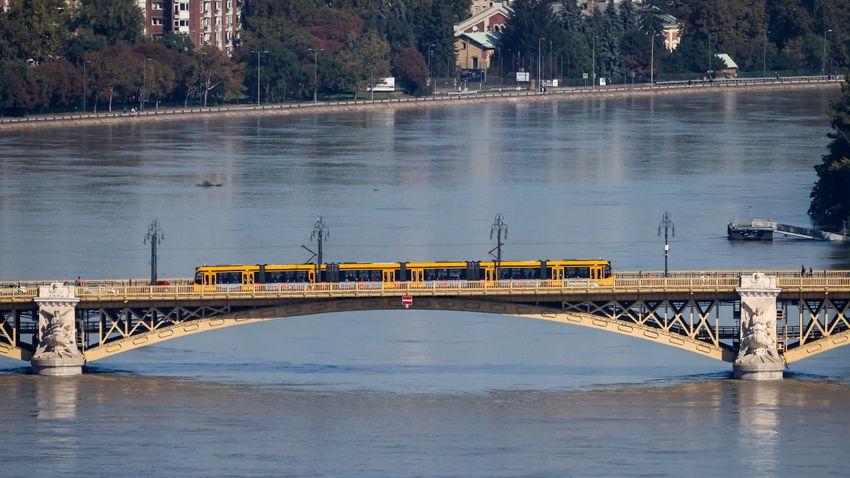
(757, 343)
(57, 352)
(758, 358)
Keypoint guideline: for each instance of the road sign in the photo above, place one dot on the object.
(407, 301)
(584, 76)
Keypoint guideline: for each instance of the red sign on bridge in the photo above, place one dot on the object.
(407, 301)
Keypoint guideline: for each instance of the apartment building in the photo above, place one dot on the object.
(206, 22)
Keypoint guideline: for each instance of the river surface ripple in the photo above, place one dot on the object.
(417, 393)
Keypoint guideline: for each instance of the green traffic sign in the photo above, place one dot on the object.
(584, 76)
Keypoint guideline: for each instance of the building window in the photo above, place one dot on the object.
(157, 6)
(156, 21)
(184, 7)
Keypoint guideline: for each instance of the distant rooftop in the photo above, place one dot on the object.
(727, 59)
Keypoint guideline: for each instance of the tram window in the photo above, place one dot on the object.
(607, 271)
(518, 273)
(286, 277)
(198, 277)
(360, 276)
(445, 274)
(577, 272)
(229, 277)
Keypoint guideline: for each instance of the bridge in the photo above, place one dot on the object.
(759, 322)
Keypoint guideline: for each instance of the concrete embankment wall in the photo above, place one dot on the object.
(506, 96)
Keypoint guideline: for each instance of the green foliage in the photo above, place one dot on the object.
(113, 20)
(34, 30)
(368, 59)
(831, 193)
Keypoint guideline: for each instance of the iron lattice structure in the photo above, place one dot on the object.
(699, 313)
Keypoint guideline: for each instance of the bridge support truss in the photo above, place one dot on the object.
(743, 319)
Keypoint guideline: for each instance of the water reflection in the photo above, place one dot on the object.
(56, 398)
(758, 430)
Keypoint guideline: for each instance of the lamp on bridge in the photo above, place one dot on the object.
(155, 236)
(669, 230)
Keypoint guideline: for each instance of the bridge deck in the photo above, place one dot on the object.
(625, 284)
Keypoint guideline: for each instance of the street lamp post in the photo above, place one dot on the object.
(258, 51)
(764, 58)
(315, 72)
(429, 69)
(823, 65)
(593, 75)
(85, 81)
(708, 71)
(669, 229)
(539, 85)
(652, 60)
(501, 80)
(144, 84)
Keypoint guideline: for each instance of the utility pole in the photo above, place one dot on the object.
(155, 236)
(669, 229)
(320, 234)
(258, 51)
(593, 76)
(315, 72)
(500, 230)
(652, 60)
(764, 58)
(823, 59)
(84, 85)
(429, 69)
(539, 84)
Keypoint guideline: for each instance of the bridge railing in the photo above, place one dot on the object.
(725, 281)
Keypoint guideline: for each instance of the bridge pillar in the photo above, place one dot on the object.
(57, 352)
(758, 358)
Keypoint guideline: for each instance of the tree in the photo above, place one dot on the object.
(159, 71)
(13, 86)
(368, 57)
(111, 74)
(34, 29)
(410, 70)
(220, 77)
(113, 20)
(831, 193)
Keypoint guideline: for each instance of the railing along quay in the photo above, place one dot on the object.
(504, 92)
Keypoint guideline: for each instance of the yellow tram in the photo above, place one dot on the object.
(597, 272)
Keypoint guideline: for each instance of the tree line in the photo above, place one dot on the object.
(56, 55)
(627, 42)
(830, 205)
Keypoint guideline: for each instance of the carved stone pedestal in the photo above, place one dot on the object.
(57, 352)
(758, 358)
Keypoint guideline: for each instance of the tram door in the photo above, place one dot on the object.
(594, 273)
(489, 274)
(209, 279)
(557, 273)
(417, 275)
(247, 280)
(311, 276)
(388, 277)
